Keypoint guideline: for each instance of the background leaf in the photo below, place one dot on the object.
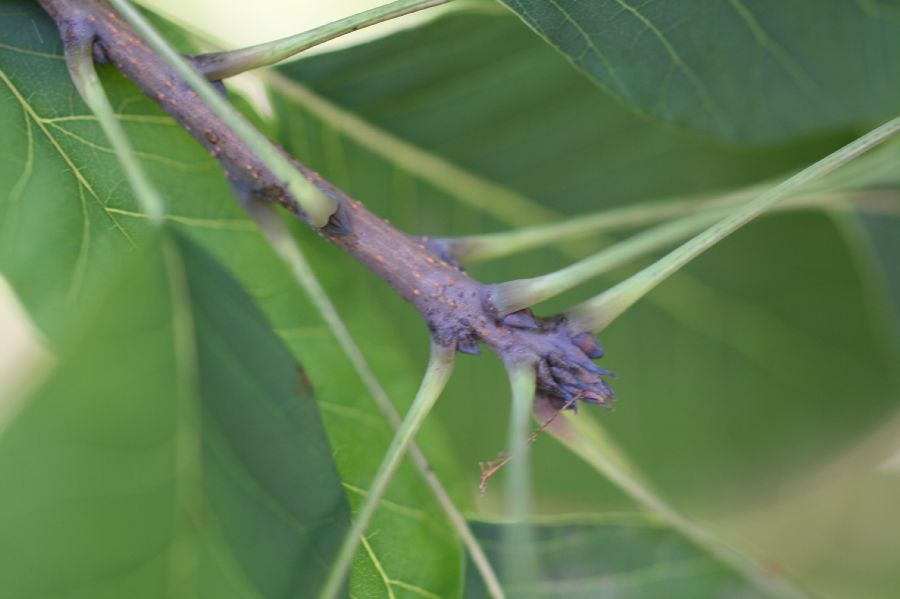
(879, 236)
(761, 360)
(173, 451)
(748, 70)
(779, 364)
(65, 210)
(787, 279)
(623, 556)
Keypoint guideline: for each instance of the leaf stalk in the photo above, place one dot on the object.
(438, 372)
(472, 249)
(220, 65)
(596, 313)
(523, 293)
(276, 232)
(522, 564)
(318, 206)
(80, 60)
(584, 437)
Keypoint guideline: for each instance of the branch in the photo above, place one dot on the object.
(452, 304)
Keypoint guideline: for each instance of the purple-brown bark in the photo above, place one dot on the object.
(456, 308)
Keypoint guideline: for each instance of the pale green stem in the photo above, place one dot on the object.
(439, 368)
(81, 66)
(511, 296)
(183, 557)
(598, 312)
(316, 204)
(273, 227)
(488, 197)
(219, 65)
(587, 440)
(479, 248)
(877, 169)
(520, 563)
(522, 293)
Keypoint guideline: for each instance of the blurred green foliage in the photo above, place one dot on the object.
(749, 71)
(172, 452)
(620, 556)
(733, 353)
(763, 369)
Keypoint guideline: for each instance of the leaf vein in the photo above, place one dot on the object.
(66, 158)
(80, 269)
(379, 568)
(778, 52)
(236, 224)
(31, 52)
(592, 46)
(675, 57)
(154, 119)
(414, 589)
(391, 505)
(175, 164)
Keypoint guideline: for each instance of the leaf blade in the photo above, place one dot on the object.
(621, 555)
(742, 70)
(524, 123)
(54, 244)
(146, 452)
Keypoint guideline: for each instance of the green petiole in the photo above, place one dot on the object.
(81, 67)
(596, 313)
(317, 205)
(220, 65)
(439, 368)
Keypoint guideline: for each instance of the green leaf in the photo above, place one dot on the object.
(749, 70)
(409, 549)
(65, 211)
(623, 556)
(734, 376)
(880, 238)
(172, 452)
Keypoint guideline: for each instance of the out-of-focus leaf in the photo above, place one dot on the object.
(883, 235)
(838, 526)
(621, 557)
(748, 70)
(66, 214)
(410, 550)
(757, 360)
(172, 452)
